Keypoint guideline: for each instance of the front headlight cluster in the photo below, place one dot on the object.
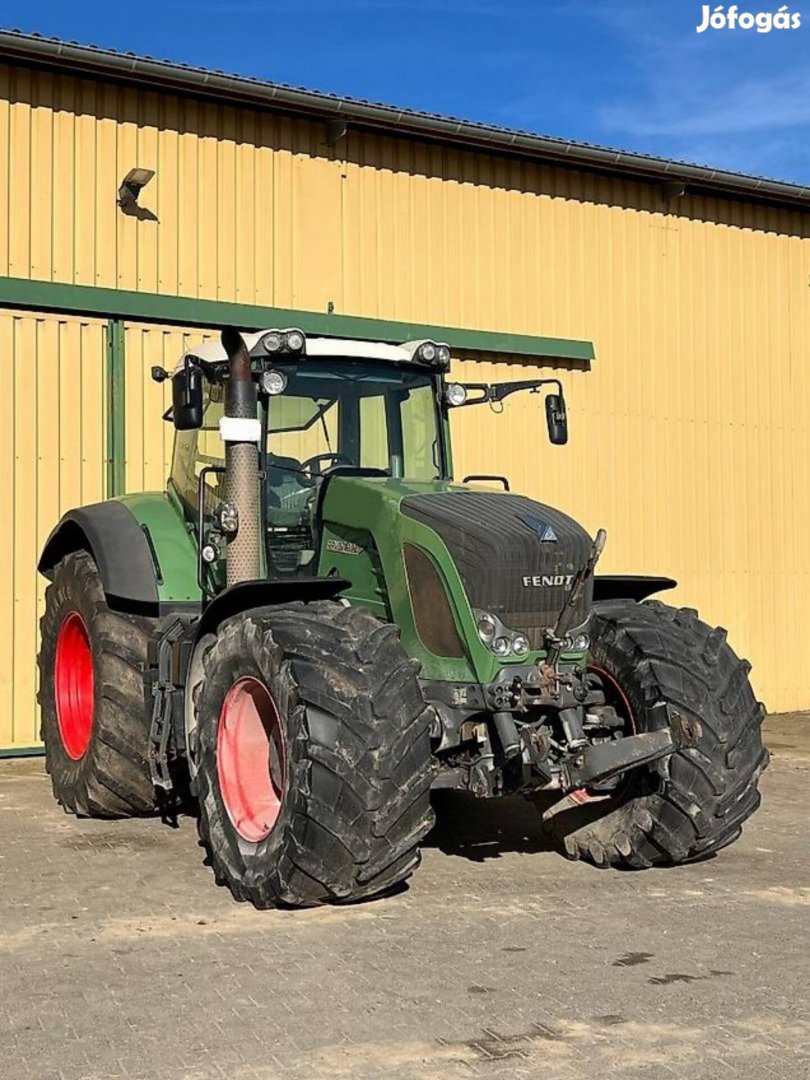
(577, 642)
(502, 641)
(498, 638)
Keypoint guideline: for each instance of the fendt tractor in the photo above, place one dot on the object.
(314, 626)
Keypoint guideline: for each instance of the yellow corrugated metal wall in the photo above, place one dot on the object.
(689, 436)
(149, 439)
(53, 457)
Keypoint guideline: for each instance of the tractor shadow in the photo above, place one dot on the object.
(483, 829)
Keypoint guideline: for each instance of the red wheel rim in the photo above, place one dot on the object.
(73, 686)
(251, 759)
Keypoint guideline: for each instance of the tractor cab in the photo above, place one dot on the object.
(327, 408)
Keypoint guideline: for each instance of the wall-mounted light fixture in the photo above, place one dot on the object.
(131, 187)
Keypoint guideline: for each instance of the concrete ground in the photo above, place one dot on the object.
(120, 958)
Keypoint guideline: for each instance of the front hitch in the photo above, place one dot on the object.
(601, 762)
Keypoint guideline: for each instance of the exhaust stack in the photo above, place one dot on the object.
(241, 431)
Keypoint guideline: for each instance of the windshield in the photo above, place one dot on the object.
(352, 413)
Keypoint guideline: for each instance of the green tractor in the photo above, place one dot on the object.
(314, 626)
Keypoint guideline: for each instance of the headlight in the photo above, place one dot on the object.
(499, 639)
(273, 342)
(295, 340)
(520, 645)
(487, 627)
(443, 354)
(427, 352)
(455, 394)
(274, 382)
(210, 553)
(228, 518)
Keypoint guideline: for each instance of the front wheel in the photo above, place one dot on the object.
(313, 756)
(695, 802)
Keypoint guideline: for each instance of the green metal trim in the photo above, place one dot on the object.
(116, 410)
(189, 311)
(22, 751)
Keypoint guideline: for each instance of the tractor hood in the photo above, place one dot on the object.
(512, 556)
(517, 558)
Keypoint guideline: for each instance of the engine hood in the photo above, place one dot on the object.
(516, 557)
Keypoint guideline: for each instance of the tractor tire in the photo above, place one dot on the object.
(695, 802)
(92, 696)
(313, 756)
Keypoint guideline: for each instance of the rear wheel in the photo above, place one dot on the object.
(313, 764)
(95, 716)
(696, 801)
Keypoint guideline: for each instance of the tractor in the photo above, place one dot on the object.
(313, 627)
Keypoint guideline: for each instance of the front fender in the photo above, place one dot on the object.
(629, 586)
(260, 595)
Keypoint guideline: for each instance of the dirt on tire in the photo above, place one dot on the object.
(111, 778)
(356, 786)
(695, 802)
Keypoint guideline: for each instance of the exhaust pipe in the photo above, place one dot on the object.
(241, 431)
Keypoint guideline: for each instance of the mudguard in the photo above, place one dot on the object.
(119, 544)
(629, 586)
(262, 594)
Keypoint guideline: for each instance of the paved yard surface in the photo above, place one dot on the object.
(120, 958)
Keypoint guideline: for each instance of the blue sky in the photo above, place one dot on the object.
(630, 74)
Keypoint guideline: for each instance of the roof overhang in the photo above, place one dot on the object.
(121, 304)
(341, 111)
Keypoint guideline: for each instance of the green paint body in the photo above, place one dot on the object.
(364, 531)
(378, 575)
(175, 547)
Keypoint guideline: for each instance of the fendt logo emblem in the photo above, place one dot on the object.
(544, 531)
(547, 581)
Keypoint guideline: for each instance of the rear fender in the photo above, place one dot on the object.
(121, 548)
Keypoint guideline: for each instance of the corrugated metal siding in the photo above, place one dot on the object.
(53, 458)
(149, 439)
(686, 433)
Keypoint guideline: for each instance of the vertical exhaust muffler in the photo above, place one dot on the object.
(241, 432)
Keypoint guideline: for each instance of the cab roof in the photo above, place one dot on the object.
(334, 348)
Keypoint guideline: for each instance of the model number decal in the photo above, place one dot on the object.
(343, 547)
(547, 581)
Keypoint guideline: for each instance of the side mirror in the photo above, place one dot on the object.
(187, 399)
(556, 419)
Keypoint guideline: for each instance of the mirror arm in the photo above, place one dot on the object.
(499, 391)
(489, 392)
(209, 370)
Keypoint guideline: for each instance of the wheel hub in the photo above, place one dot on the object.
(251, 759)
(74, 686)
